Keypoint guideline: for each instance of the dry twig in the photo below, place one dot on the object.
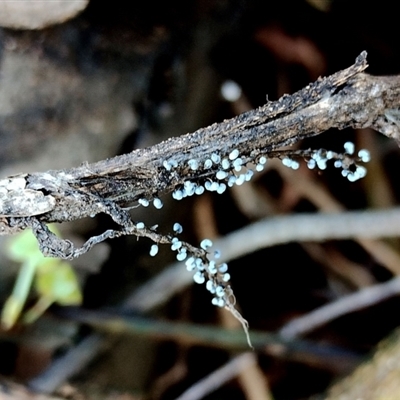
(269, 232)
(346, 98)
(345, 305)
(219, 377)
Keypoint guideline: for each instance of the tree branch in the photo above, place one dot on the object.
(346, 98)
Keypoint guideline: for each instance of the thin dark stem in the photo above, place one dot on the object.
(353, 302)
(299, 350)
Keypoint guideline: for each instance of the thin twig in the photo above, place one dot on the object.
(325, 202)
(357, 301)
(269, 232)
(252, 380)
(61, 369)
(327, 356)
(219, 377)
(14, 391)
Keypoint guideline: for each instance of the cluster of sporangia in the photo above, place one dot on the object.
(230, 170)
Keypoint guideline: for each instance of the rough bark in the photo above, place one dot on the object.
(348, 98)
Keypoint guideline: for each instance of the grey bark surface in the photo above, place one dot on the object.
(348, 98)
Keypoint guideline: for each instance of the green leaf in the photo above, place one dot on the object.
(55, 280)
(24, 246)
